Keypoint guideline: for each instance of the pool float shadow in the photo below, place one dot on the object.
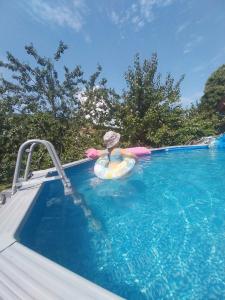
(122, 191)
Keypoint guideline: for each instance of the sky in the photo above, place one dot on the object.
(188, 36)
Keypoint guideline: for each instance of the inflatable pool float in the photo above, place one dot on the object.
(138, 151)
(102, 171)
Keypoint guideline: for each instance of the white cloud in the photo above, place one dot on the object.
(211, 63)
(199, 68)
(87, 38)
(62, 13)
(139, 13)
(182, 27)
(192, 44)
(218, 57)
(186, 101)
(115, 18)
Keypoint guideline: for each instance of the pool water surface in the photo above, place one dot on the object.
(158, 233)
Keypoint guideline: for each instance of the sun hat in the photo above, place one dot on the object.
(111, 138)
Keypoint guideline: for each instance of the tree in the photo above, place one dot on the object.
(35, 102)
(99, 102)
(73, 113)
(214, 91)
(151, 111)
(196, 125)
(38, 88)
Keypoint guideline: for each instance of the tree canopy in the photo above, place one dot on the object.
(151, 108)
(214, 91)
(38, 100)
(38, 88)
(35, 102)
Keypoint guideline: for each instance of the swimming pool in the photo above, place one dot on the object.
(155, 234)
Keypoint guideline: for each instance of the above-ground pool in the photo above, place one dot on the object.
(158, 233)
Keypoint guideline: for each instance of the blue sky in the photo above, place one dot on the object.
(188, 35)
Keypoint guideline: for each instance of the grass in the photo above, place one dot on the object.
(4, 186)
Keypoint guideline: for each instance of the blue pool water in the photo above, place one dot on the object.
(158, 233)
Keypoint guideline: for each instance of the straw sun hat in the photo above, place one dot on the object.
(111, 138)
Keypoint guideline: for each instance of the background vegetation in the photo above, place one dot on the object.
(73, 112)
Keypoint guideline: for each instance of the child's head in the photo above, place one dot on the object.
(111, 139)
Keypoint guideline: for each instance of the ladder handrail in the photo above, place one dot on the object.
(29, 160)
(51, 150)
(54, 157)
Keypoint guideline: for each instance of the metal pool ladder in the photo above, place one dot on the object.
(19, 182)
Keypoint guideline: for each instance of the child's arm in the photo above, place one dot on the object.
(94, 153)
(126, 153)
(102, 152)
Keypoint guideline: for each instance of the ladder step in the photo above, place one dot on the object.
(36, 181)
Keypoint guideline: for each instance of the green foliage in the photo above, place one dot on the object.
(100, 105)
(214, 90)
(4, 186)
(36, 103)
(39, 89)
(151, 111)
(76, 141)
(73, 112)
(196, 125)
(212, 104)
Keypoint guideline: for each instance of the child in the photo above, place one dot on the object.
(115, 154)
